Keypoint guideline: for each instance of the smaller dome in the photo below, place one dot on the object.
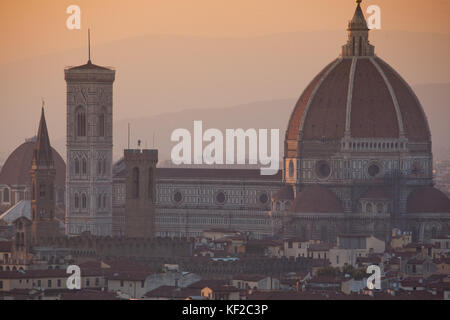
(316, 199)
(428, 200)
(16, 169)
(285, 193)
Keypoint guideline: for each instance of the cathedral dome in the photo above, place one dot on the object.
(316, 199)
(358, 96)
(16, 170)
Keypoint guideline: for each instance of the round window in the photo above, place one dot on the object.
(263, 198)
(177, 197)
(373, 170)
(220, 198)
(323, 169)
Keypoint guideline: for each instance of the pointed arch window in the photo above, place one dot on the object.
(135, 182)
(77, 166)
(101, 124)
(104, 201)
(84, 166)
(80, 122)
(83, 201)
(77, 201)
(99, 201)
(99, 167)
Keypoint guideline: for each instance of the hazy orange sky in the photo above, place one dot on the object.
(33, 27)
(175, 55)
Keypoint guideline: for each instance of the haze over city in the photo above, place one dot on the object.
(169, 61)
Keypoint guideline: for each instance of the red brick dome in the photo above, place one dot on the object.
(316, 199)
(428, 200)
(16, 170)
(364, 96)
(357, 95)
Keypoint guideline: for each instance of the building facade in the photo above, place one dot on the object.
(357, 160)
(192, 201)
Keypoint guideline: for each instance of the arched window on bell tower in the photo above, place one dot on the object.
(77, 201)
(101, 123)
(80, 122)
(77, 166)
(135, 182)
(83, 201)
(99, 167)
(84, 166)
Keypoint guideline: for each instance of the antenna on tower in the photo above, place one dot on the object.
(128, 136)
(89, 45)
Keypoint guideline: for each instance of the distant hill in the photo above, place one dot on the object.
(264, 114)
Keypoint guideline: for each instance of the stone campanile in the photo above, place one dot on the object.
(140, 184)
(89, 149)
(43, 174)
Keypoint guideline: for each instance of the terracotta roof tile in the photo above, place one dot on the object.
(428, 200)
(316, 199)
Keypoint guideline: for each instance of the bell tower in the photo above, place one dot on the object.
(43, 223)
(89, 149)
